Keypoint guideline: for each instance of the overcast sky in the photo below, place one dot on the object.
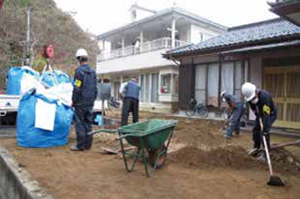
(98, 16)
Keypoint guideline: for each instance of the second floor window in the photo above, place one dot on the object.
(204, 36)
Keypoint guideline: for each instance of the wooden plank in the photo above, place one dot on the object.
(234, 74)
(206, 84)
(286, 124)
(281, 69)
(220, 82)
(284, 95)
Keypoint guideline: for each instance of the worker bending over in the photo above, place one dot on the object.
(263, 107)
(233, 123)
(130, 92)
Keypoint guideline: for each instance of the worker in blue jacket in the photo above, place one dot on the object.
(263, 107)
(84, 95)
(130, 93)
(235, 116)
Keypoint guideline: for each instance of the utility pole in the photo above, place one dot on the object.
(27, 54)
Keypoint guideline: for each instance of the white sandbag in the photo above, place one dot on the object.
(28, 82)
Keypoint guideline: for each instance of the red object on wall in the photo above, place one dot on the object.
(1, 3)
(162, 90)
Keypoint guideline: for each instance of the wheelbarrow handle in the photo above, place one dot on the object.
(103, 131)
(128, 135)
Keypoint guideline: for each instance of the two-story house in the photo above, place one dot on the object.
(136, 50)
(287, 9)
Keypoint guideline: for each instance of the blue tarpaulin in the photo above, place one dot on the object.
(13, 79)
(29, 136)
(56, 76)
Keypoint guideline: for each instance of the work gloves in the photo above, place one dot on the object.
(264, 133)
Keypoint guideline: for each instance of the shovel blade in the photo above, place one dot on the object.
(275, 181)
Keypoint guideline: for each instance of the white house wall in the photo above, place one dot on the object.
(195, 32)
(135, 62)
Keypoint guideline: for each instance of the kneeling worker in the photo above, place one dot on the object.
(262, 105)
(235, 116)
(130, 92)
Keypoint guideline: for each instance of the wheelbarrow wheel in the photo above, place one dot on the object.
(153, 154)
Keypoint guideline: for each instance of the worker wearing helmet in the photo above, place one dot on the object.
(84, 95)
(233, 123)
(262, 105)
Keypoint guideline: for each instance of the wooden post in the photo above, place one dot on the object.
(219, 80)
(141, 41)
(234, 74)
(243, 70)
(206, 84)
(123, 45)
(173, 33)
(193, 79)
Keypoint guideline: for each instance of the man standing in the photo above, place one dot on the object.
(130, 92)
(235, 116)
(84, 95)
(104, 93)
(265, 111)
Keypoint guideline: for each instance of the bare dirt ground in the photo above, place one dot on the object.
(201, 164)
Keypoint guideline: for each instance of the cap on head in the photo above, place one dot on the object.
(248, 90)
(134, 79)
(81, 52)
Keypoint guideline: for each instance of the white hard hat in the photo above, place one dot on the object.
(248, 91)
(222, 95)
(81, 53)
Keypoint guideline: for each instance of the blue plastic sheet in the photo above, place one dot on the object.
(29, 136)
(56, 76)
(98, 119)
(13, 79)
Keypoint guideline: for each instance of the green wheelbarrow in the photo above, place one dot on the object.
(152, 136)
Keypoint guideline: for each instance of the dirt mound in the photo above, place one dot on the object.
(196, 133)
(233, 157)
(283, 160)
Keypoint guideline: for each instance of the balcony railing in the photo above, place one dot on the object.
(280, 1)
(162, 43)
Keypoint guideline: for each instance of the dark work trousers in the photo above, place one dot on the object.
(83, 125)
(234, 119)
(130, 105)
(257, 133)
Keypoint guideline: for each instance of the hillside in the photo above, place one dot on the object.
(49, 25)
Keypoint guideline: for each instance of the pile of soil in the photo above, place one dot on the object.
(283, 160)
(233, 157)
(197, 133)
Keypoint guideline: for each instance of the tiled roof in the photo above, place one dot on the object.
(241, 36)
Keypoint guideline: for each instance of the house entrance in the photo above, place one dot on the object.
(284, 85)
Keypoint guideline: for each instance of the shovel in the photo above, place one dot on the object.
(274, 180)
(274, 146)
(115, 152)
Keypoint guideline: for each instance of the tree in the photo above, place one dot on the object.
(49, 25)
